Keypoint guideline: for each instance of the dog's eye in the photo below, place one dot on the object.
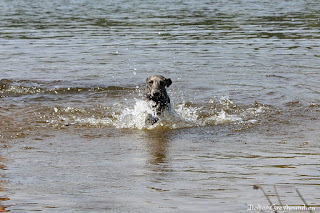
(151, 82)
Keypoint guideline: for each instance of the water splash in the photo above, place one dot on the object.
(137, 116)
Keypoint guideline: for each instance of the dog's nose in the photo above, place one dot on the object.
(156, 93)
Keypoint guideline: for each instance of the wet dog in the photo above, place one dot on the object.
(156, 92)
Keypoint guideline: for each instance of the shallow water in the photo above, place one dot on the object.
(245, 105)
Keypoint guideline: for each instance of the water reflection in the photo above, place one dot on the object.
(157, 143)
(158, 166)
(2, 198)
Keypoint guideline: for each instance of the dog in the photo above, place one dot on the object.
(156, 92)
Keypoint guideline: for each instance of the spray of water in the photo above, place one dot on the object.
(138, 115)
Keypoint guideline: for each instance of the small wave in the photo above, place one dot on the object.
(9, 88)
(18, 121)
(183, 115)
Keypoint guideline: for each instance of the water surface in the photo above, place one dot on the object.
(245, 105)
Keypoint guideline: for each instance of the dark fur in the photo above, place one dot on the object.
(156, 91)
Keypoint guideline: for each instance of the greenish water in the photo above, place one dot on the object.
(245, 105)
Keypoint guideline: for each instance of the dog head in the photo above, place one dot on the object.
(156, 88)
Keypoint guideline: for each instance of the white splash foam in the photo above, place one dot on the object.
(138, 116)
(135, 117)
(222, 118)
(94, 121)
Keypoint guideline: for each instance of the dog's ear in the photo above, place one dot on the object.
(147, 80)
(168, 82)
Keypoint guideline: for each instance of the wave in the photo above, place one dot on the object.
(183, 115)
(110, 106)
(9, 88)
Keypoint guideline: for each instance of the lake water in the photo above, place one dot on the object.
(245, 105)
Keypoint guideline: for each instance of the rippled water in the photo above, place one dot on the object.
(245, 105)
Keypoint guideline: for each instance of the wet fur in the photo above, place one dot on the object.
(156, 92)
